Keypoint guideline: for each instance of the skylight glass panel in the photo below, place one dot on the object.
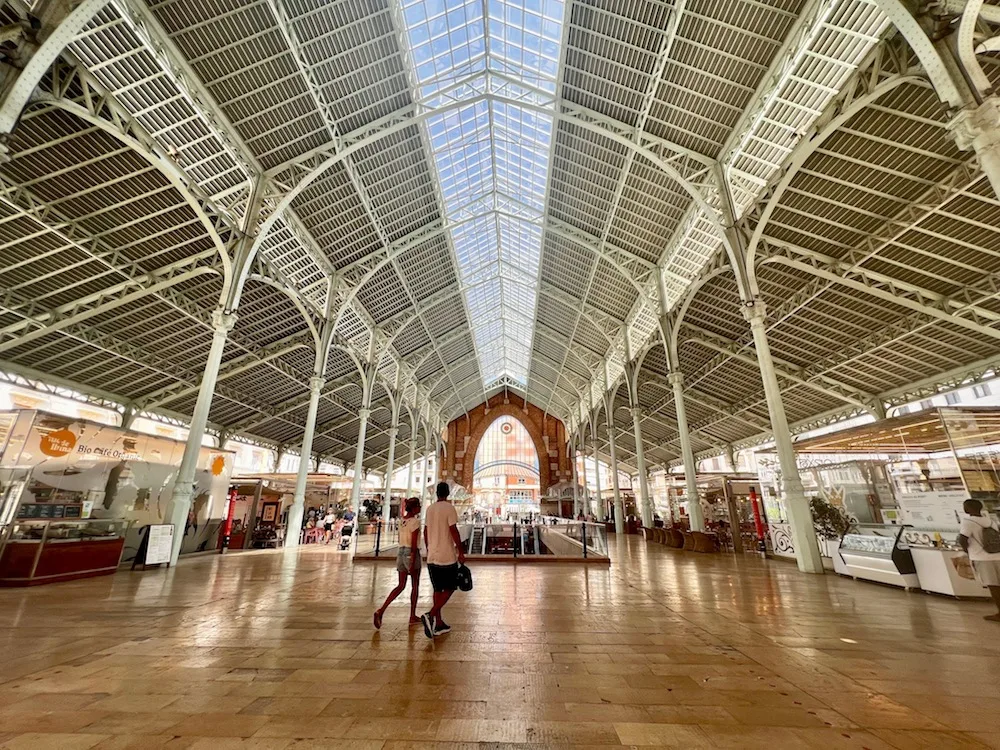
(491, 155)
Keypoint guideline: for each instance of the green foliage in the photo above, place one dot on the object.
(371, 507)
(829, 521)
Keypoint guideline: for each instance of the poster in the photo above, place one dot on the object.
(161, 540)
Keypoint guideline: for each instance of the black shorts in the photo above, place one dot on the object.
(328, 527)
(443, 577)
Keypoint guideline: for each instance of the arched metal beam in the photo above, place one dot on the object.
(126, 130)
(911, 303)
(967, 47)
(125, 299)
(689, 295)
(320, 161)
(66, 31)
(806, 148)
(921, 44)
(295, 300)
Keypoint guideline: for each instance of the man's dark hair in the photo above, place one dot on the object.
(972, 505)
(443, 490)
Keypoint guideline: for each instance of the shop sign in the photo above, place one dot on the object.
(58, 443)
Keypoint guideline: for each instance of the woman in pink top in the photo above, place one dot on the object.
(407, 561)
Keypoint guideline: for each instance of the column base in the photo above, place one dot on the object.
(293, 529)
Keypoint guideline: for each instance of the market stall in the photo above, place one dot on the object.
(75, 495)
(907, 476)
(730, 505)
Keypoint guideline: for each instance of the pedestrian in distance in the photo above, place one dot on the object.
(407, 561)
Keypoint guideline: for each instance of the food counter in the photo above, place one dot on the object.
(877, 552)
(942, 566)
(34, 551)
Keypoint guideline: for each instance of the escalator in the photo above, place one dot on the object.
(478, 541)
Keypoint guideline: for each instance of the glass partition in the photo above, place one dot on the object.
(546, 537)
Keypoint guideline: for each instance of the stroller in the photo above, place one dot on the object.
(346, 532)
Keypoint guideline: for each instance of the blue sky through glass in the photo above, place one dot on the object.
(491, 155)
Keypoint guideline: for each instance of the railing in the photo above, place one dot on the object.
(558, 538)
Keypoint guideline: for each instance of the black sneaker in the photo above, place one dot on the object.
(442, 628)
(428, 622)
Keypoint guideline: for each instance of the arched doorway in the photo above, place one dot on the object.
(506, 477)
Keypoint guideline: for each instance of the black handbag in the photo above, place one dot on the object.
(464, 578)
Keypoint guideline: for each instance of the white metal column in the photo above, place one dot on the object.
(695, 513)
(180, 500)
(413, 458)
(979, 130)
(601, 510)
(803, 534)
(619, 507)
(359, 459)
(295, 513)
(387, 499)
(576, 481)
(423, 472)
(645, 501)
(436, 473)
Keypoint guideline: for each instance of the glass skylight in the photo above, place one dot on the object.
(491, 154)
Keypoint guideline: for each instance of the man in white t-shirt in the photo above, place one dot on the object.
(444, 555)
(978, 535)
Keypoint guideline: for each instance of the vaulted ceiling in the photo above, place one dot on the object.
(486, 194)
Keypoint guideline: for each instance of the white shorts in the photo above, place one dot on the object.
(403, 560)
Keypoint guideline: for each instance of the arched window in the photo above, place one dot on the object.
(506, 466)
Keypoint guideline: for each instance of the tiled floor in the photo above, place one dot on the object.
(270, 651)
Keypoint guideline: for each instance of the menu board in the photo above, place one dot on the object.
(50, 510)
(938, 508)
(161, 542)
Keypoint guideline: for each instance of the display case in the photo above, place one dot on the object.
(45, 550)
(942, 566)
(878, 552)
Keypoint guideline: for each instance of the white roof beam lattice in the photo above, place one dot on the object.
(649, 96)
(163, 49)
(504, 142)
(828, 43)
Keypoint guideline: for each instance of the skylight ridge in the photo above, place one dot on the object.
(492, 152)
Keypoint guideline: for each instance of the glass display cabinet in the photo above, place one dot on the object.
(878, 552)
(34, 551)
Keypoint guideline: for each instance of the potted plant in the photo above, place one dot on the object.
(831, 523)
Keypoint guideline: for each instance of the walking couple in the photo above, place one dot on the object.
(444, 556)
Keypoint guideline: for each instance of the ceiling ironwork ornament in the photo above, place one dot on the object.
(407, 206)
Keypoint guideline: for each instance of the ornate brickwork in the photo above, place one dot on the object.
(548, 433)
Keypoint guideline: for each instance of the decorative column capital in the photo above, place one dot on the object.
(975, 128)
(316, 383)
(754, 312)
(223, 321)
(637, 412)
(676, 378)
(393, 431)
(364, 413)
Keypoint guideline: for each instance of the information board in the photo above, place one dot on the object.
(939, 508)
(161, 542)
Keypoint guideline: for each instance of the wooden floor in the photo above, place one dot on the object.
(664, 649)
